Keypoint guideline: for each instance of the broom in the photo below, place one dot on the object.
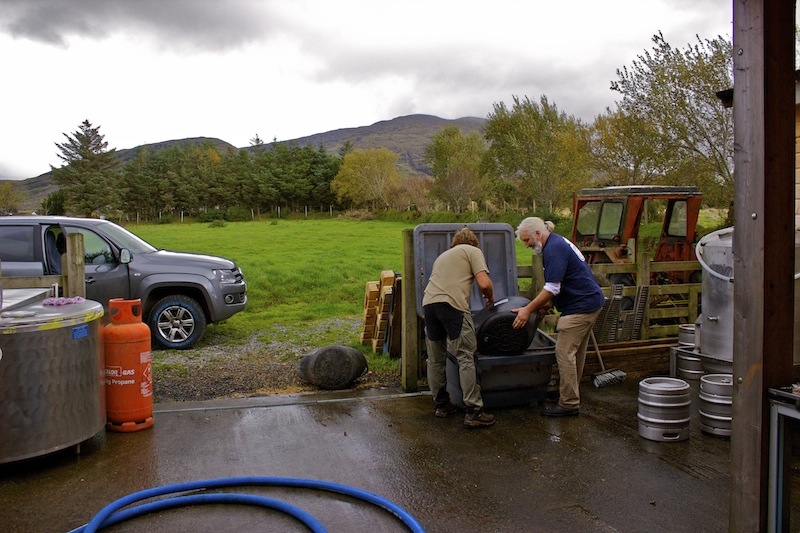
(605, 377)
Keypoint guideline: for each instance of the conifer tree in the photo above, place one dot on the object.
(89, 173)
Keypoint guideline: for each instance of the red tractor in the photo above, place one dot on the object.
(607, 220)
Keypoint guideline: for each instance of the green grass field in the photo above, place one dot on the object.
(300, 273)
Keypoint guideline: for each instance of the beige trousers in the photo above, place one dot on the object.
(573, 337)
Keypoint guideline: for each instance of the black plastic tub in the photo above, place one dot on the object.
(494, 327)
(509, 380)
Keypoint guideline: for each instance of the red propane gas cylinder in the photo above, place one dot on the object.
(129, 370)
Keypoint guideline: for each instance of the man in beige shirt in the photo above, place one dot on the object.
(449, 327)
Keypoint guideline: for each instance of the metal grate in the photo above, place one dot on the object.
(605, 328)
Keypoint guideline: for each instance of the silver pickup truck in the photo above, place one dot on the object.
(180, 292)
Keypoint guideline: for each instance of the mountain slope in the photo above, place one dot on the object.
(406, 136)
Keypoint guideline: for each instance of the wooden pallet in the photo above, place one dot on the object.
(377, 301)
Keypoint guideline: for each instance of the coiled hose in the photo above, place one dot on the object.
(112, 513)
(698, 253)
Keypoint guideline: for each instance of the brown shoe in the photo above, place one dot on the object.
(443, 410)
(478, 419)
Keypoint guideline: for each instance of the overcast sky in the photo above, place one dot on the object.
(154, 70)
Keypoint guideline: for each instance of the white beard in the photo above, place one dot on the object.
(537, 248)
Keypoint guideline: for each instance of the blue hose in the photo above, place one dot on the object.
(108, 514)
(202, 499)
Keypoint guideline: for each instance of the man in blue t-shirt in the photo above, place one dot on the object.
(571, 287)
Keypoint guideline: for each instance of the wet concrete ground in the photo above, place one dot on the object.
(591, 473)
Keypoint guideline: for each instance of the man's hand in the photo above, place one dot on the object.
(523, 314)
(486, 287)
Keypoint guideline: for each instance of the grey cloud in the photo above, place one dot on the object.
(453, 81)
(206, 25)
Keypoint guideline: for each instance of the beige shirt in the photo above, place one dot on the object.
(453, 275)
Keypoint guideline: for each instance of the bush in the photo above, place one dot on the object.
(210, 216)
(358, 214)
(237, 214)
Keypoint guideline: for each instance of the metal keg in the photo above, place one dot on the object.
(716, 392)
(664, 409)
(716, 366)
(690, 366)
(686, 335)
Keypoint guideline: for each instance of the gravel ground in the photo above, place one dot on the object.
(255, 368)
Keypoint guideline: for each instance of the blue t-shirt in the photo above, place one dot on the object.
(580, 292)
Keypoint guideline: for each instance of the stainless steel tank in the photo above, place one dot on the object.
(51, 370)
(715, 253)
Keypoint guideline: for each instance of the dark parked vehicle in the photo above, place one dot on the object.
(180, 292)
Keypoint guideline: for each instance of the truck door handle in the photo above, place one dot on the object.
(89, 280)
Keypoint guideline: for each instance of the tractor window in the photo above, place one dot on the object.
(587, 218)
(610, 220)
(677, 221)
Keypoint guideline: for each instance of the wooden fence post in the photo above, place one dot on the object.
(74, 272)
(410, 359)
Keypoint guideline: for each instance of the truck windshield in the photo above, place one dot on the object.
(125, 239)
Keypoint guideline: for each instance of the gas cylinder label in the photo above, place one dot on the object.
(147, 381)
(80, 332)
(145, 357)
(116, 375)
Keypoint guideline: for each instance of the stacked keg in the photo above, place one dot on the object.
(716, 394)
(689, 365)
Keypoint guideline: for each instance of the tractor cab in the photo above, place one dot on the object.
(607, 220)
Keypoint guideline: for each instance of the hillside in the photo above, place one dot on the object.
(407, 136)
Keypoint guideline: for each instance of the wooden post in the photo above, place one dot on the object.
(763, 242)
(693, 302)
(410, 359)
(537, 275)
(73, 266)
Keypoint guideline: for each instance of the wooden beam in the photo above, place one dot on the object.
(73, 267)
(410, 359)
(763, 245)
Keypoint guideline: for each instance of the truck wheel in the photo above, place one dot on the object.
(176, 322)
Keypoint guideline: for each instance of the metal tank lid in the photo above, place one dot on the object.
(14, 298)
(497, 241)
(39, 317)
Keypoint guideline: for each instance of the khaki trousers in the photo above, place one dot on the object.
(463, 349)
(573, 337)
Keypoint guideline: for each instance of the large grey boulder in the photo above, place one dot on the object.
(332, 367)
